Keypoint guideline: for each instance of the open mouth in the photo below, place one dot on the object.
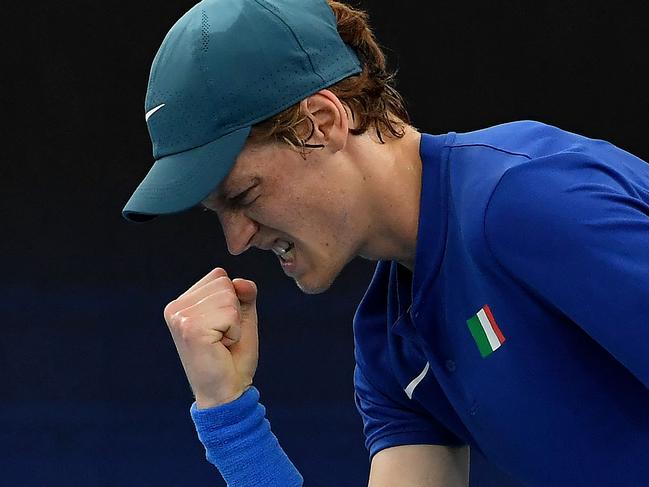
(285, 250)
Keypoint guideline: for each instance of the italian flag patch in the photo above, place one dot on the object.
(485, 331)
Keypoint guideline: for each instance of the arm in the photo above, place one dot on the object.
(239, 442)
(408, 447)
(420, 466)
(214, 328)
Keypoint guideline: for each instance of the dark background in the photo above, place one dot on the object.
(91, 389)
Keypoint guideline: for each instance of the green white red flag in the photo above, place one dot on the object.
(485, 331)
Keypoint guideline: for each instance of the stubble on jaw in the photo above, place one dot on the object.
(313, 291)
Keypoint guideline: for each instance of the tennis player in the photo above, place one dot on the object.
(509, 308)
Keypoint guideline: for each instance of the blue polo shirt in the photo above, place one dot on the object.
(524, 329)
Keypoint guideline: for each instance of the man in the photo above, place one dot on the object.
(506, 310)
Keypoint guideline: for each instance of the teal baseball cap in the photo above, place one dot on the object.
(224, 66)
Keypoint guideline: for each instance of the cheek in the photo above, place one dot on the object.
(307, 211)
(325, 225)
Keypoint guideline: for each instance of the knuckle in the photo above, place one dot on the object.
(170, 310)
(230, 314)
(186, 328)
(223, 298)
(223, 281)
(176, 318)
(232, 300)
(177, 321)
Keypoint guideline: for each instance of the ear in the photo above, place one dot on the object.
(330, 120)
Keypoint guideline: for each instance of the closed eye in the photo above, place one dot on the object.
(243, 199)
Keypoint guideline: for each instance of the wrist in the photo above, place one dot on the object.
(238, 441)
(216, 419)
(204, 402)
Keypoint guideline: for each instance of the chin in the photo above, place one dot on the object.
(308, 288)
(314, 284)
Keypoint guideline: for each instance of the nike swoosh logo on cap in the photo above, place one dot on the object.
(152, 111)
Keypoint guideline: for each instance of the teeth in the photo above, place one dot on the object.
(283, 249)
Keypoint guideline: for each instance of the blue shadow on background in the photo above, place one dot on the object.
(93, 392)
(152, 445)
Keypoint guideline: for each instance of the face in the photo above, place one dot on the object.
(306, 211)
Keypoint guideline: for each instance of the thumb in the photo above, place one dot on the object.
(246, 291)
(246, 350)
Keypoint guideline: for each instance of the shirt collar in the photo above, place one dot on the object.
(433, 210)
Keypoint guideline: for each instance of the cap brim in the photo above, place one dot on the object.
(178, 182)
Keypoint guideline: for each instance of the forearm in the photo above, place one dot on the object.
(420, 465)
(239, 442)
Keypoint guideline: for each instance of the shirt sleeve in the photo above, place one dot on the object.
(575, 232)
(388, 422)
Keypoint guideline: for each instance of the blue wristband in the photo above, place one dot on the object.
(238, 441)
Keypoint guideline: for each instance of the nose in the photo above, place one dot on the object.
(239, 231)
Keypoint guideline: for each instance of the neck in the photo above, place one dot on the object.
(393, 173)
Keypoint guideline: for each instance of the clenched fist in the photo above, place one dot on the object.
(214, 328)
